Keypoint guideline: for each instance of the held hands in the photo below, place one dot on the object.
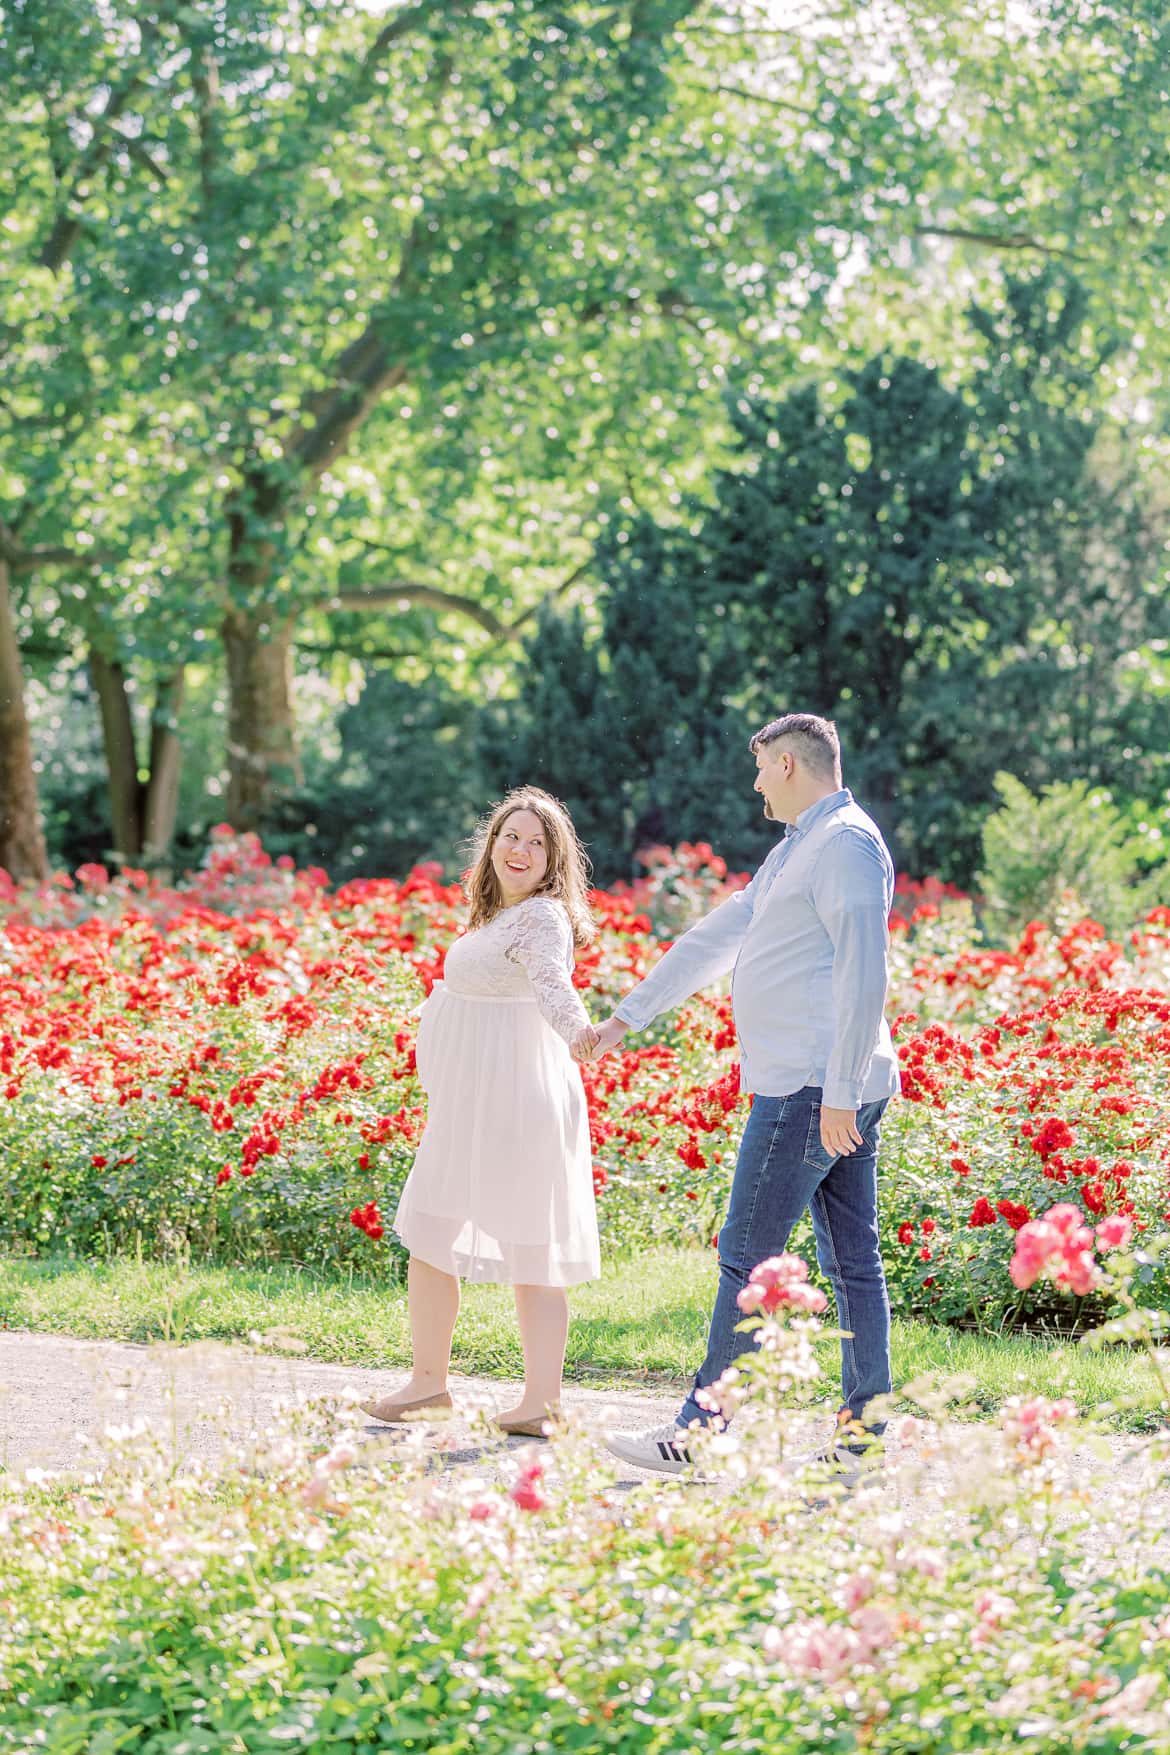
(597, 1039)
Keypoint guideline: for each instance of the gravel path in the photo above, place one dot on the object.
(59, 1397)
(206, 1397)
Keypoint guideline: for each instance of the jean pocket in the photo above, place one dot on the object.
(815, 1155)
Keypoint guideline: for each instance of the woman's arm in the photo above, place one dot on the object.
(543, 947)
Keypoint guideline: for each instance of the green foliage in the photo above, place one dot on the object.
(381, 324)
(953, 574)
(1071, 836)
(638, 726)
(319, 314)
(405, 789)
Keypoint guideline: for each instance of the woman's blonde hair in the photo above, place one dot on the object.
(567, 876)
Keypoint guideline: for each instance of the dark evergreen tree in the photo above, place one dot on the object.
(960, 576)
(1083, 552)
(639, 728)
(844, 551)
(549, 734)
(405, 788)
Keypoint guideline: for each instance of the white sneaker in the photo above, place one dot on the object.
(662, 1448)
(837, 1470)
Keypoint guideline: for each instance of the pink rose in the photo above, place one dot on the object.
(857, 1589)
(782, 1279)
(1056, 1247)
(1030, 1423)
(1114, 1232)
(526, 1492)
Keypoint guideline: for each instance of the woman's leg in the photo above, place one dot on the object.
(543, 1315)
(434, 1309)
(433, 1299)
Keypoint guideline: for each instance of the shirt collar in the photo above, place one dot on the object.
(822, 808)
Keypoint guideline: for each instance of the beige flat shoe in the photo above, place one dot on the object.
(529, 1428)
(427, 1407)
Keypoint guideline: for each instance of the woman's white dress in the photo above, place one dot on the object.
(502, 1186)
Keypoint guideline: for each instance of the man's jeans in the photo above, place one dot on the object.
(782, 1169)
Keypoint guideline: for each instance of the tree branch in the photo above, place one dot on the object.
(405, 591)
(756, 97)
(363, 374)
(997, 240)
(406, 21)
(141, 157)
(58, 246)
(205, 84)
(434, 597)
(365, 370)
(30, 560)
(553, 596)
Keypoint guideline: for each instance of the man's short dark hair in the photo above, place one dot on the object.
(814, 742)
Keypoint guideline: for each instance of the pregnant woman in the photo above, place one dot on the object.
(502, 1187)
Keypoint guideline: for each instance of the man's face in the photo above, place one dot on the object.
(774, 768)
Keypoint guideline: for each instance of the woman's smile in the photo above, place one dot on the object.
(520, 856)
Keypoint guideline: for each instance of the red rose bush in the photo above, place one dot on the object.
(228, 1064)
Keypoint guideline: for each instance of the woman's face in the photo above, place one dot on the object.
(520, 855)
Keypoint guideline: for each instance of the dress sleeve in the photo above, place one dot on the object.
(543, 946)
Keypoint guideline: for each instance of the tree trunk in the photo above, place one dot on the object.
(109, 681)
(161, 803)
(263, 765)
(22, 843)
(143, 812)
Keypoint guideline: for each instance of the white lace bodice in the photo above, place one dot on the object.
(526, 952)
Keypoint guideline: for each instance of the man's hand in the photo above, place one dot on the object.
(583, 1043)
(608, 1036)
(839, 1134)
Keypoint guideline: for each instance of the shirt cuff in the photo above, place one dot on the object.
(622, 1014)
(839, 1095)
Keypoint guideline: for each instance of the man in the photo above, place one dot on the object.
(807, 941)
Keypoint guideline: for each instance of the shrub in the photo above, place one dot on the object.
(1069, 837)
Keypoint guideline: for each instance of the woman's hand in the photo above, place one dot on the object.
(584, 1043)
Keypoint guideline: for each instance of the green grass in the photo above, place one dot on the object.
(642, 1324)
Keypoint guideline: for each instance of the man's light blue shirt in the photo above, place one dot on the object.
(807, 941)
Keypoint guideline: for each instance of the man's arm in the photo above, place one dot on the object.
(851, 892)
(699, 957)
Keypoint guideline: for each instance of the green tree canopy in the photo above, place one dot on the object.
(955, 575)
(358, 327)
